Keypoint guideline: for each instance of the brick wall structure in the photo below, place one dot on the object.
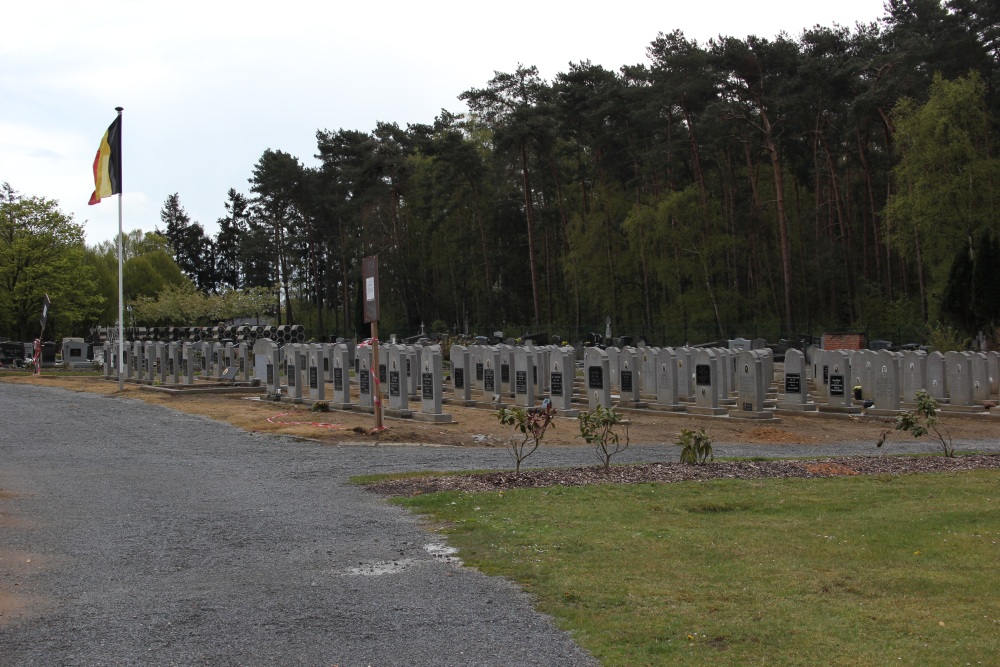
(844, 341)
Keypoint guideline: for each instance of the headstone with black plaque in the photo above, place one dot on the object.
(174, 353)
(629, 378)
(189, 363)
(340, 372)
(461, 382)
(524, 387)
(363, 359)
(706, 373)
(244, 368)
(596, 378)
(431, 380)
(293, 372)
(666, 379)
(562, 373)
(317, 384)
(396, 382)
(796, 389)
(841, 399)
(477, 363)
(506, 371)
(491, 377)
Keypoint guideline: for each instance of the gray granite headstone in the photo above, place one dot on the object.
(706, 373)
(562, 374)
(316, 379)
(629, 379)
(980, 376)
(914, 375)
(937, 386)
(666, 380)
(461, 383)
(431, 381)
(396, 376)
(958, 371)
(796, 387)
(886, 380)
(341, 376)
(524, 387)
(751, 390)
(491, 377)
(596, 378)
(366, 395)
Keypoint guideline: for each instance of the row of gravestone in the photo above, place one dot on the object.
(958, 381)
(295, 371)
(699, 380)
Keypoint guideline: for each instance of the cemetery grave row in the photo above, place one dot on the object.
(736, 381)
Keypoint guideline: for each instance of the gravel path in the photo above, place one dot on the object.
(159, 538)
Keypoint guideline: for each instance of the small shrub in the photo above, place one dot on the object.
(923, 421)
(320, 406)
(529, 429)
(601, 429)
(696, 446)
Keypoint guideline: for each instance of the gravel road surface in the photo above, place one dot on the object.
(160, 538)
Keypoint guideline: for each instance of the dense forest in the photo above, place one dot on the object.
(838, 179)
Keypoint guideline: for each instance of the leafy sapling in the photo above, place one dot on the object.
(529, 428)
(605, 429)
(923, 421)
(696, 446)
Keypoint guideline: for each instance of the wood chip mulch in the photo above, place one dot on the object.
(679, 472)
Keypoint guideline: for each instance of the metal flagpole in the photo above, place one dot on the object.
(121, 288)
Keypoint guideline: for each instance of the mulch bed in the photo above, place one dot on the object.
(680, 472)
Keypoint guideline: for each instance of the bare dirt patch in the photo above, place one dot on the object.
(478, 427)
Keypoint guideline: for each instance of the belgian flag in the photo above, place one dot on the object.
(108, 163)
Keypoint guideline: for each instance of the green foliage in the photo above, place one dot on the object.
(185, 305)
(607, 430)
(944, 338)
(923, 421)
(42, 252)
(320, 406)
(529, 428)
(696, 446)
(731, 573)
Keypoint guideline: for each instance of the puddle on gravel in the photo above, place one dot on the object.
(439, 553)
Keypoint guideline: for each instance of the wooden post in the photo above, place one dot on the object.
(376, 384)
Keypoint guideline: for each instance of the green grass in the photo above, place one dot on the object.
(848, 571)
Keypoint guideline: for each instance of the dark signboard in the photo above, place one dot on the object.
(505, 373)
(364, 382)
(427, 381)
(381, 373)
(489, 383)
(270, 374)
(243, 364)
(338, 378)
(626, 380)
(313, 377)
(836, 385)
(555, 381)
(521, 382)
(459, 376)
(291, 375)
(703, 374)
(826, 374)
(748, 407)
(394, 383)
(326, 365)
(595, 377)
(479, 372)
(793, 383)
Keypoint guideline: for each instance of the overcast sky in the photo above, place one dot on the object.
(208, 86)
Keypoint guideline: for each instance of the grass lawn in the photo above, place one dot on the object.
(877, 570)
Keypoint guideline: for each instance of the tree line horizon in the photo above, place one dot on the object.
(842, 178)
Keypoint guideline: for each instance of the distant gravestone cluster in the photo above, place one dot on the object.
(737, 381)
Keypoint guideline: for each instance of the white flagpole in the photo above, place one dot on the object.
(121, 289)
